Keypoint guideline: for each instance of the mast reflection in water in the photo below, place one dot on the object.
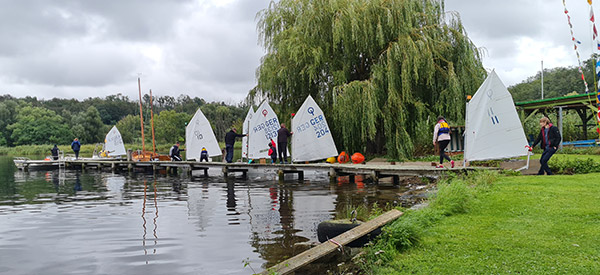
(89, 222)
(155, 212)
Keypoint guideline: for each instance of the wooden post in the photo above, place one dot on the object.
(206, 172)
(351, 178)
(225, 171)
(301, 175)
(396, 180)
(332, 175)
(281, 175)
(374, 175)
(129, 154)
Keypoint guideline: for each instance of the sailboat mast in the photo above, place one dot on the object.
(248, 140)
(152, 122)
(141, 116)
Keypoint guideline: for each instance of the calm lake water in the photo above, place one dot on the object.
(91, 222)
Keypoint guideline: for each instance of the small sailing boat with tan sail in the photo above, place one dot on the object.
(143, 155)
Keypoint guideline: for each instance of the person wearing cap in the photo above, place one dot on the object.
(229, 142)
(204, 154)
(175, 152)
(441, 136)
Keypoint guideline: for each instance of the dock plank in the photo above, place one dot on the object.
(323, 249)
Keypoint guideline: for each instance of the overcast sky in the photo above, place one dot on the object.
(209, 49)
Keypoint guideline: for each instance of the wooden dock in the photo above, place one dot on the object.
(374, 172)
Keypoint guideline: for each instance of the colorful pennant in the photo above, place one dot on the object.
(575, 42)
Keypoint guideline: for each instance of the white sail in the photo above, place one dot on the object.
(113, 143)
(198, 134)
(493, 129)
(245, 128)
(263, 128)
(312, 139)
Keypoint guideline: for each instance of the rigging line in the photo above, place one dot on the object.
(597, 88)
(575, 42)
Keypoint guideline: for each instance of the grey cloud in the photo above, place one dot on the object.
(136, 19)
(74, 66)
(491, 19)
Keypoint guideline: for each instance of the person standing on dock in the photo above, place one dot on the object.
(441, 136)
(54, 152)
(550, 138)
(229, 142)
(282, 141)
(76, 145)
(175, 152)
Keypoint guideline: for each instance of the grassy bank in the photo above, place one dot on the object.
(529, 225)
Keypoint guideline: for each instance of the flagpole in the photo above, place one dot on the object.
(542, 79)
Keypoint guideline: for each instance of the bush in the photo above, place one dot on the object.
(452, 198)
(579, 151)
(574, 166)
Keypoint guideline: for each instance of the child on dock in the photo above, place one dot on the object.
(273, 151)
(204, 154)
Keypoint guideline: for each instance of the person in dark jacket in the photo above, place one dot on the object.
(229, 142)
(175, 152)
(204, 154)
(76, 145)
(550, 139)
(273, 151)
(282, 141)
(54, 152)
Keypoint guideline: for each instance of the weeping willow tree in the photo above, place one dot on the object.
(382, 70)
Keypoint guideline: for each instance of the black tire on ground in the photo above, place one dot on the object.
(329, 230)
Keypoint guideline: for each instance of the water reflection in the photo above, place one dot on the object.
(221, 222)
(77, 186)
(200, 206)
(153, 219)
(232, 213)
(115, 185)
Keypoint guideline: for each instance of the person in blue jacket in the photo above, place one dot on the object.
(76, 145)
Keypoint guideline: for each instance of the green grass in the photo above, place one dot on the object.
(526, 225)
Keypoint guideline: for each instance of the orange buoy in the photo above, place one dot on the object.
(343, 157)
(358, 158)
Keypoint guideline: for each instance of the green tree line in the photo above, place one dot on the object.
(32, 121)
(559, 81)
